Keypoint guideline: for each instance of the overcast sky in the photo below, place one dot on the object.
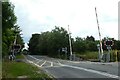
(36, 16)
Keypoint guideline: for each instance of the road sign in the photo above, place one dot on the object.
(64, 49)
(108, 42)
(16, 47)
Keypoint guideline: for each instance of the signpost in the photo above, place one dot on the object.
(15, 48)
(70, 43)
(65, 51)
(98, 46)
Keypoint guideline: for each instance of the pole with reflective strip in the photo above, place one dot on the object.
(99, 34)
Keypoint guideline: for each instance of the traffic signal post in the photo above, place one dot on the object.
(108, 55)
(15, 48)
(108, 44)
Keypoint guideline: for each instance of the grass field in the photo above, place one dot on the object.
(13, 69)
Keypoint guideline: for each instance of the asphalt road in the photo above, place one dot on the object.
(62, 69)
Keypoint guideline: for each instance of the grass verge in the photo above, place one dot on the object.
(13, 69)
(0, 69)
(93, 55)
(88, 55)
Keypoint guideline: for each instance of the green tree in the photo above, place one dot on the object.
(48, 43)
(91, 38)
(33, 44)
(8, 16)
(9, 28)
(79, 45)
(59, 39)
(82, 45)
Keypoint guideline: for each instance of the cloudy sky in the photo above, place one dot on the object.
(36, 16)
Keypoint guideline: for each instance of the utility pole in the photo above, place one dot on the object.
(99, 34)
(70, 43)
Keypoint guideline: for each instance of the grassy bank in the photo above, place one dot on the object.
(0, 69)
(94, 55)
(87, 55)
(13, 69)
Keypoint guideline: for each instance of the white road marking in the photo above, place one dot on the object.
(74, 61)
(33, 57)
(38, 61)
(94, 71)
(42, 64)
(60, 63)
(80, 68)
(51, 64)
(33, 63)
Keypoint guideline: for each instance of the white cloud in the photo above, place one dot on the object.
(42, 15)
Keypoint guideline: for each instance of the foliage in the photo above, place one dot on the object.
(48, 43)
(9, 28)
(51, 43)
(86, 44)
(88, 55)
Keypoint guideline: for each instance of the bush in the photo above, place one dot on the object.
(88, 55)
(115, 55)
(4, 49)
(118, 56)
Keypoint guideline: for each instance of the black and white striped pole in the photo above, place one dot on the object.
(101, 50)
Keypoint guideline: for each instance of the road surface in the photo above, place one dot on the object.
(65, 69)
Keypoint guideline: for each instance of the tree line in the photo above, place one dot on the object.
(52, 42)
(48, 43)
(10, 29)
